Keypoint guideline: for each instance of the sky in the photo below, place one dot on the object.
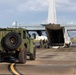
(29, 12)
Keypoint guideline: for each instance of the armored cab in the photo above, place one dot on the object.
(57, 35)
(15, 42)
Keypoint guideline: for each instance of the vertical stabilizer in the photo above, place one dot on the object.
(52, 12)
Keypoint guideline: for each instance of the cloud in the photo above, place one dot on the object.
(33, 5)
(24, 5)
(66, 6)
(20, 9)
(37, 5)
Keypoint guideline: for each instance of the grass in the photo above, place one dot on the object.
(73, 39)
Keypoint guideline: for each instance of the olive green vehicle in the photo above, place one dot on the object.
(16, 42)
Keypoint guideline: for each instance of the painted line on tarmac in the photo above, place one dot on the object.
(12, 68)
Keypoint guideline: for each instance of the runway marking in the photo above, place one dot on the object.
(12, 67)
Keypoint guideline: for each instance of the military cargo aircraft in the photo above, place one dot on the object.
(57, 34)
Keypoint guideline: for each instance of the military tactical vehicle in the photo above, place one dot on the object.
(57, 35)
(17, 43)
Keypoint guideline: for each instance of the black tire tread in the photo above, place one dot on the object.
(33, 56)
(6, 41)
(22, 56)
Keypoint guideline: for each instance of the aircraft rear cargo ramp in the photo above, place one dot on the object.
(57, 35)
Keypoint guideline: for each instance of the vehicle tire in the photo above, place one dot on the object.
(12, 40)
(67, 45)
(22, 56)
(33, 56)
(2, 58)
